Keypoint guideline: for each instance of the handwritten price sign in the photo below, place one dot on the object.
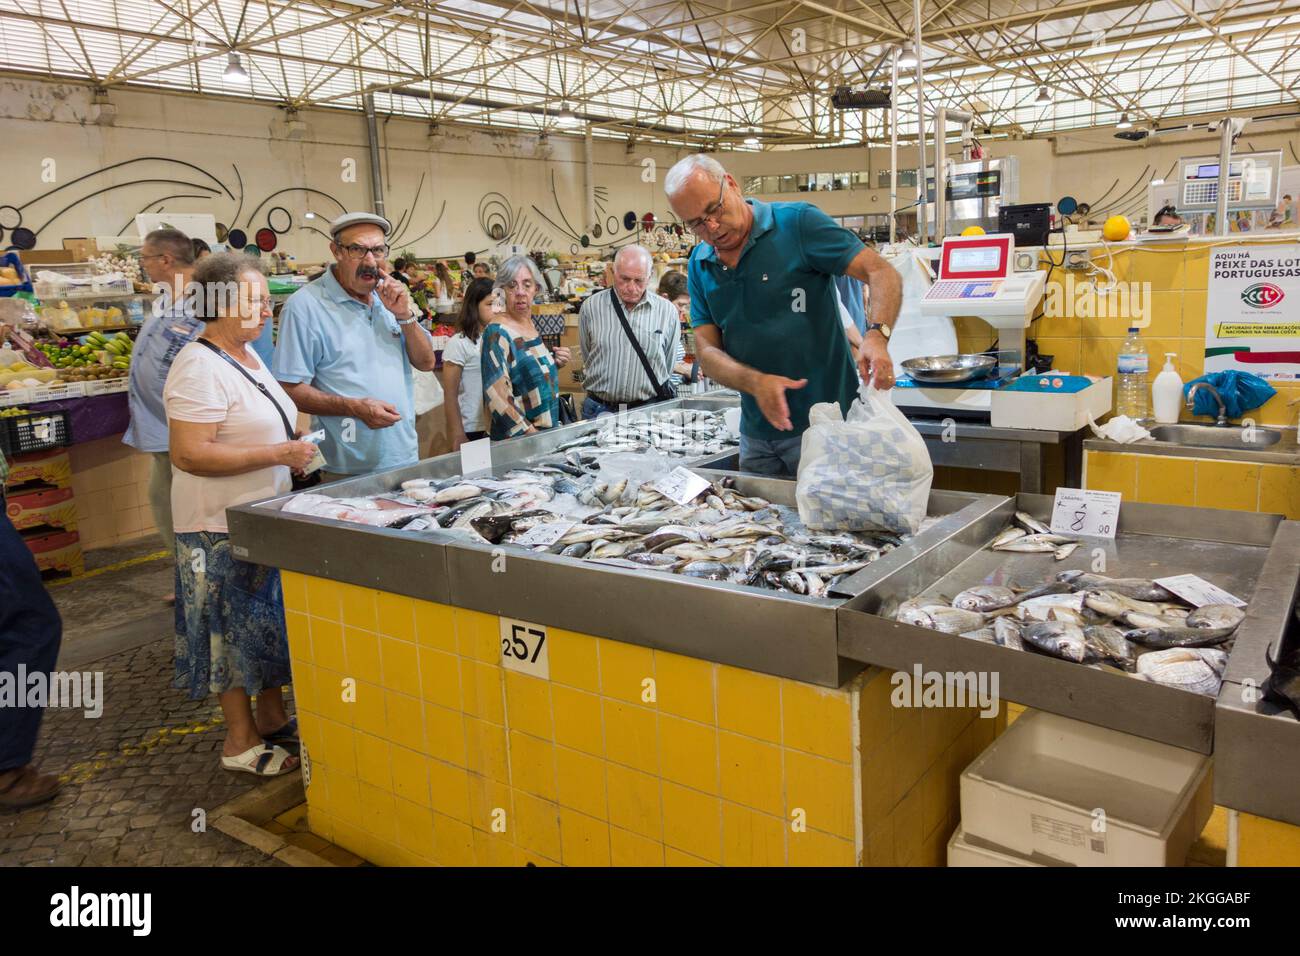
(1086, 514)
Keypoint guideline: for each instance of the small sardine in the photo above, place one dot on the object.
(1006, 536)
(984, 598)
(1031, 524)
(1176, 636)
(1058, 639)
(1032, 543)
(1065, 550)
(1006, 633)
(1139, 588)
(1216, 615)
(1109, 644)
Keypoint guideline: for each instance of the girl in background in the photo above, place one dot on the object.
(462, 376)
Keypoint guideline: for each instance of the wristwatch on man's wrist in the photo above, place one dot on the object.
(880, 327)
(406, 322)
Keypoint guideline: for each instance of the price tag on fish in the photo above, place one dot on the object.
(680, 485)
(544, 535)
(1086, 514)
(476, 456)
(1198, 591)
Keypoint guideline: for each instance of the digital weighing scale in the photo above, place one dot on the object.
(977, 277)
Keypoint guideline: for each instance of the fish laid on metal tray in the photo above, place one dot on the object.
(720, 535)
(1131, 624)
(690, 433)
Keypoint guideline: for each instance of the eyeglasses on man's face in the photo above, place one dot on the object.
(357, 251)
(711, 213)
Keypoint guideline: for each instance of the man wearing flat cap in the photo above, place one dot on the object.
(345, 351)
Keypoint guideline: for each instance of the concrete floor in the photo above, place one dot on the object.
(136, 775)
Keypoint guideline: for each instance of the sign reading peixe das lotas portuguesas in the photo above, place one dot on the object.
(1252, 316)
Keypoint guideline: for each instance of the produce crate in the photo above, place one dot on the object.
(106, 386)
(52, 468)
(35, 431)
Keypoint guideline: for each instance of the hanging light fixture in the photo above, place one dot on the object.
(907, 59)
(566, 116)
(1123, 122)
(1044, 95)
(235, 72)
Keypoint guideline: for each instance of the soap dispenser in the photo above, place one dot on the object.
(1167, 392)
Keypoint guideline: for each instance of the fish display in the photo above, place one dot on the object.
(684, 432)
(1028, 535)
(569, 504)
(1131, 624)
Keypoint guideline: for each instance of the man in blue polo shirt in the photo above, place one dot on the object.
(345, 350)
(764, 309)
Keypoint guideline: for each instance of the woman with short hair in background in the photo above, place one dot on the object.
(231, 442)
(521, 380)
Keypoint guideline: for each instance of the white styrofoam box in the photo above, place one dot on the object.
(1048, 412)
(965, 850)
(1086, 795)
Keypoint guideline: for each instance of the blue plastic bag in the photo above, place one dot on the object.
(1241, 392)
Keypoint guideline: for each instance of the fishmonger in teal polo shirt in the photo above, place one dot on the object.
(763, 303)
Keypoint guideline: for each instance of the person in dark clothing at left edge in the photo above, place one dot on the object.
(30, 633)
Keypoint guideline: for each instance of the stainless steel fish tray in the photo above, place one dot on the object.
(1256, 743)
(1228, 548)
(780, 633)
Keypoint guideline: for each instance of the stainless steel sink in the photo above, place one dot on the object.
(1213, 436)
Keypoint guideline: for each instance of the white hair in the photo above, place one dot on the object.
(683, 169)
(640, 251)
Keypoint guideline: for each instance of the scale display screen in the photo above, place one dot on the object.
(976, 259)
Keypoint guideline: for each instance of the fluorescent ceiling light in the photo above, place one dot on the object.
(1157, 182)
(235, 72)
(751, 140)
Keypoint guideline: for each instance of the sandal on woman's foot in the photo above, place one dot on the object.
(285, 736)
(27, 788)
(265, 760)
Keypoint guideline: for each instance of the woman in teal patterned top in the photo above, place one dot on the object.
(521, 381)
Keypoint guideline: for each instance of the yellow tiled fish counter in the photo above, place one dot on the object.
(421, 749)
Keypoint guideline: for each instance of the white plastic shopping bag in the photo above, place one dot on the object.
(427, 391)
(868, 471)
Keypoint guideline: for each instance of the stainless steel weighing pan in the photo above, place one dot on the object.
(949, 369)
(1228, 548)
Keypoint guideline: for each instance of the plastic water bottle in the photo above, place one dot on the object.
(1131, 383)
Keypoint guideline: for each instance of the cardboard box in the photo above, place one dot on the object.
(969, 851)
(1086, 795)
(81, 250)
(53, 509)
(52, 467)
(57, 555)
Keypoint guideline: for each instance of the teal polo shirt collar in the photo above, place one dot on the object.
(762, 224)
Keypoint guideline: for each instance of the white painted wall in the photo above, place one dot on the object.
(49, 121)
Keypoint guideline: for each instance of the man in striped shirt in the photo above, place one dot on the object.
(613, 374)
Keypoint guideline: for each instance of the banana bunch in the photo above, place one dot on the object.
(119, 347)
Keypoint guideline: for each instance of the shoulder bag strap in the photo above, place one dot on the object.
(627, 330)
(288, 429)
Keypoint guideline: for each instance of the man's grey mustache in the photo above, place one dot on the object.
(368, 272)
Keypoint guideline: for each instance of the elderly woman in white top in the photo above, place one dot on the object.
(231, 442)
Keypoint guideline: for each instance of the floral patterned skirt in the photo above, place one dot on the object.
(229, 621)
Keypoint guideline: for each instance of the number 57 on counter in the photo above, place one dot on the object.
(523, 648)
